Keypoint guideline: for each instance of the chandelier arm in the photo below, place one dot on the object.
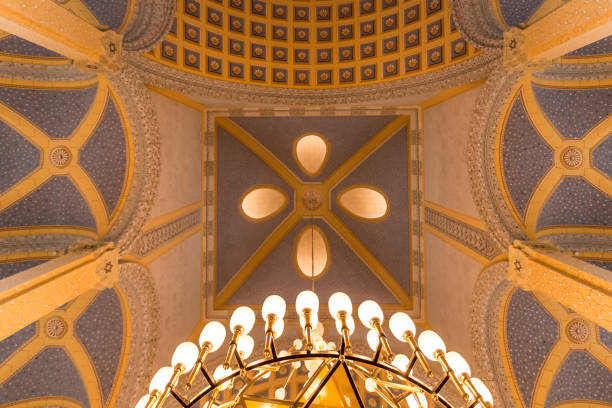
(442, 383)
(377, 353)
(180, 399)
(310, 381)
(353, 385)
(322, 384)
(413, 361)
(206, 375)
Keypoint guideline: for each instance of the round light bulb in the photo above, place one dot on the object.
(458, 364)
(245, 346)
(400, 323)
(319, 328)
(368, 311)
(280, 393)
(244, 317)
(283, 353)
(483, 390)
(314, 321)
(370, 384)
(430, 343)
(339, 302)
(312, 365)
(307, 300)
(372, 339)
(350, 324)
(417, 400)
(275, 305)
(331, 345)
(160, 379)
(297, 344)
(186, 354)
(219, 374)
(213, 333)
(278, 328)
(401, 361)
(320, 345)
(142, 402)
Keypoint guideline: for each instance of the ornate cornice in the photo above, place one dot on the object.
(476, 239)
(488, 294)
(481, 157)
(199, 87)
(137, 285)
(156, 237)
(477, 23)
(150, 23)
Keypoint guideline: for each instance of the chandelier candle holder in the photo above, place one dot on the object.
(333, 374)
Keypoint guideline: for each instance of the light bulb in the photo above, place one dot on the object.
(314, 321)
(370, 384)
(350, 324)
(213, 333)
(307, 300)
(161, 379)
(280, 393)
(372, 339)
(186, 354)
(458, 364)
(142, 402)
(243, 316)
(312, 365)
(283, 353)
(401, 361)
(297, 344)
(401, 323)
(331, 345)
(339, 302)
(275, 305)
(245, 345)
(368, 311)
(318, 328)
(296, 365)
(267, 374)
(430, 343)
(219, 374)
(483, 390)
(320, 345)
(278, 328)
(417, 400)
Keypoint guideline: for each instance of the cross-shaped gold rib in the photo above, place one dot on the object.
(324, 211)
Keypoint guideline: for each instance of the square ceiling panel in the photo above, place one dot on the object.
(343, 185)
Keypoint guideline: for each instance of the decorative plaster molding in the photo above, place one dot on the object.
(198, 87)
(149, 25)
(136, 283)
(488, 294)
(56, 244)
(477, 23)
(481, 157)
(576, 72)
(581, 242)
(476, 239)
(156, 237)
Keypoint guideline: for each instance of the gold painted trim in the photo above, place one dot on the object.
(327, 249)
(54, 229)
(457, 245)
(125, 347)
(357, 217)
(171, 216)
(474, 222)
(178, 97)
(325, 159)
(450, 93)
(48, 401)
(51, 85)
(271, 215)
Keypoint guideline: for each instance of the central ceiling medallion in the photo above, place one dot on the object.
(572, 157)
(312, 199)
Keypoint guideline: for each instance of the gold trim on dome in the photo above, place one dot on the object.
(312, 44)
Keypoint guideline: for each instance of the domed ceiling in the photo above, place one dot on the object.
(553, 154)
(312, 43)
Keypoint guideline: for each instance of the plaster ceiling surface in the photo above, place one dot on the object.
(266, 203)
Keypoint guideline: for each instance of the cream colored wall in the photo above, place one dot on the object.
(177, 280)
(446, 127)
(450, 279)
(181, 155)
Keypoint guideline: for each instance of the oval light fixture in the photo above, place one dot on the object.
(310, 244)
(262, 202)
(364, 202)
(311, 152)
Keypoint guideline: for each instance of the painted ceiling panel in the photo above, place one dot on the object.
(18, 46)
(239, 169)
(109, 12)
(50, 373)
(19, 157)
(57, 202)
(104, 156)
(345, 135)
(605, 337)
(603, 46)
(574, 111)
(576, 202)
(103, 320)
(57, 112)
(602, 156)
(515, 12)
(11, 268)
(9, 345)
(525, 155)
(531, 332)
(387, 239)
(277, 274)
(569, 386)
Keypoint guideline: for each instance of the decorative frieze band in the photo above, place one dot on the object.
(469, 236)
(156, 237)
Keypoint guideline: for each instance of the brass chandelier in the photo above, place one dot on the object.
(333, 372)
